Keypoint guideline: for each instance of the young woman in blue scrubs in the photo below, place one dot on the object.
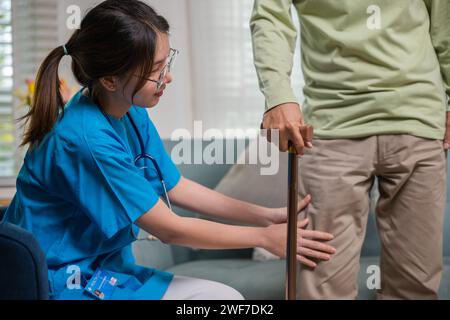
(96, 169)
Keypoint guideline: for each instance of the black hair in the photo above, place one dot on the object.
(114, 38)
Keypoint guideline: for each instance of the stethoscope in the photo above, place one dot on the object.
(142, 156)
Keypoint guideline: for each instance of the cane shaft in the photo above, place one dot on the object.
(291, 255)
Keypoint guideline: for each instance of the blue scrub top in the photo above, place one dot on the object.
(80, 192)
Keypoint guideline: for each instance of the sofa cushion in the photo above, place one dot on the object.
(245, 182)
(154, 254)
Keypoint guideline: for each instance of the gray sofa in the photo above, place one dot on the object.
(255, 279)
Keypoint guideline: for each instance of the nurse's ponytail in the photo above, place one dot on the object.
(47, 100)
(116, 38)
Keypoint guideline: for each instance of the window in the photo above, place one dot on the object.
(28, 30)
(225, 85)
(7, 146)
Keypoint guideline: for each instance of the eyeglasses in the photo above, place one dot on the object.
(173, 53)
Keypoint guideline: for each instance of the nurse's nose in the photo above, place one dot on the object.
(168, 79)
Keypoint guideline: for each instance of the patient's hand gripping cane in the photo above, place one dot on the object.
(291, 253)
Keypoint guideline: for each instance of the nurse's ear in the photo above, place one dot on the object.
(109, 83)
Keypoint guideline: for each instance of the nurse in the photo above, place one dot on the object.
(96, 171)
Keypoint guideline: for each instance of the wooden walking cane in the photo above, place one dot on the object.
(291, 254)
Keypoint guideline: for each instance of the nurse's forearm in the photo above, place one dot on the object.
(204, 234)
(173, 229)
(195, 197)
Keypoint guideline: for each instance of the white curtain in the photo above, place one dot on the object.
(6, 83)
(34, 34)
(224, 81)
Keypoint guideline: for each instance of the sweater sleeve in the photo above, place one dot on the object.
(439, 11)
(274, 37)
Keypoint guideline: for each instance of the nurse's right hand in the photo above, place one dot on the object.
(310, 243)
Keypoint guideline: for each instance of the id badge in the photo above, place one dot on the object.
(101, 285)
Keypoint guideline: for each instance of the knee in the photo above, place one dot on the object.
(220, 291)
(235, 295)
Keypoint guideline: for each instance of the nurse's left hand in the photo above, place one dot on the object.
(279, 215)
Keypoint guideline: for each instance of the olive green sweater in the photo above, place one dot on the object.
(370, 66)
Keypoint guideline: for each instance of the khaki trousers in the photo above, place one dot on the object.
(411, 173)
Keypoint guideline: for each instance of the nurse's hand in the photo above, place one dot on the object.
(310, 243)
(279, 215)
